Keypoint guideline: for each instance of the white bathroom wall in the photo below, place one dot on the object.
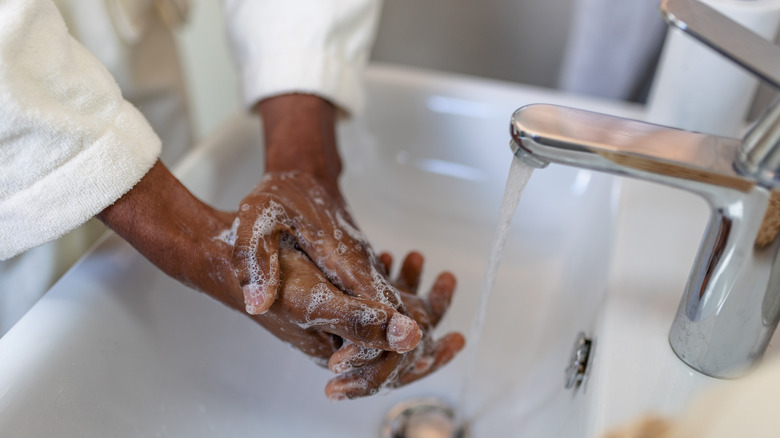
(208, 66)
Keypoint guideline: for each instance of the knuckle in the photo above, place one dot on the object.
(366, 324)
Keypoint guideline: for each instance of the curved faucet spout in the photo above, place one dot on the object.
(730, 304)
(627, 147)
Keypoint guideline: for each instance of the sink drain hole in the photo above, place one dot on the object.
(421, 418)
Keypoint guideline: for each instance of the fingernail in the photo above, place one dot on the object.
(254, 299)
(338, 396)
(403, 334)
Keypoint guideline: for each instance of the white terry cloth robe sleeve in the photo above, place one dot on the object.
(70, 145)
(134, 40)
(302, 46)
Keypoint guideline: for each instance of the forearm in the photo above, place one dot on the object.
(177, 232)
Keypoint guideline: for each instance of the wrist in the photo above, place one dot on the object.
(159, 203)
(300, 135)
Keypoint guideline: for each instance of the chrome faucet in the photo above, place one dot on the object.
(731, 302)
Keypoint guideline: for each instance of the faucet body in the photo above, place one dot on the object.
(731, 302)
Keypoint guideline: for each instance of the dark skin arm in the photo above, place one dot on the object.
(175, 231)
(189, 241)
(193, 243)
(184, 237)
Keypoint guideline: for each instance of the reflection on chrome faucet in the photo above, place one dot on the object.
(716, 331)
(731, 302)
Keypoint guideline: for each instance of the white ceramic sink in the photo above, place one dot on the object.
(118, 349)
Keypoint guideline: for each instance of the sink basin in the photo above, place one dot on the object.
(118, 349)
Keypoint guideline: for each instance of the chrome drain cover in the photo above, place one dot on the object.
(421, 418)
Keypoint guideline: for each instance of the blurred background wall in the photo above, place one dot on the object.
(514, 40)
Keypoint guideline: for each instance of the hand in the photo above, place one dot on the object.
(296, 204)
(299, 196)
(316, 317)
(392, 369)
(193, 243)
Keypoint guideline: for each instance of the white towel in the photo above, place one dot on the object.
(70, 145)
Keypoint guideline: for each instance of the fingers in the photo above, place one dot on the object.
(411, 270)
(350, 265)
(366, 280)
(351, 356)
(256, 262)
(363, 322)
(445, 349)
(386, 260)
(368, 380)
(365, 371)
(440, 297)
(364, 381)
